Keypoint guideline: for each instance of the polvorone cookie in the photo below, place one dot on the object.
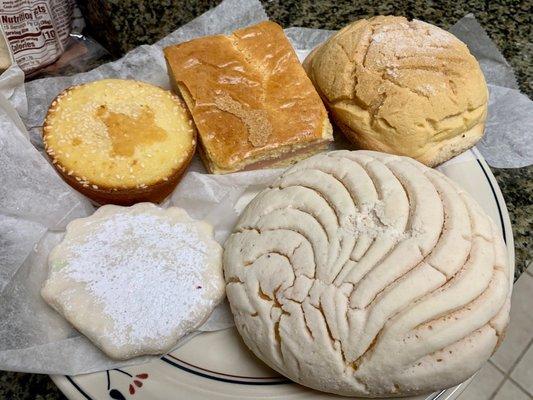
(135, 280)
(401, 87)
(367, 274)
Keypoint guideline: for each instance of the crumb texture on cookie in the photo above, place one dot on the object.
(118, 134)
(367, 274)
(402, 87)
(135, 280)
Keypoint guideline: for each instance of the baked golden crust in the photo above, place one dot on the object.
(249, 96)
(403, 87)
(119, 141)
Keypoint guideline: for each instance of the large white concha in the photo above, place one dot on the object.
(366, 274)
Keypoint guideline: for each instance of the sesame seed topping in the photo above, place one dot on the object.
(78, 142)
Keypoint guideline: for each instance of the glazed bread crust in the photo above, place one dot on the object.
(252, 103)
(402, 87)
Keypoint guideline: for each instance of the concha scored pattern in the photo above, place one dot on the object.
(361, 273)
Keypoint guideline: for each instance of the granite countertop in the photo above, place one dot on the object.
(122, 25)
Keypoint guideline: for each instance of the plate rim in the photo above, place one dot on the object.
(68, 386)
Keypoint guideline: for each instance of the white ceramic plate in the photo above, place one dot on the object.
(217, 365)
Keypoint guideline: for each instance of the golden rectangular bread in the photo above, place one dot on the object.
(250, 98)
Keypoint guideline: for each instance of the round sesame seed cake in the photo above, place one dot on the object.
(119, 141)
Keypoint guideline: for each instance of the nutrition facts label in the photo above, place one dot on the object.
(36, 30)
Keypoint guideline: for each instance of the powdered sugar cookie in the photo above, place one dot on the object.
(135, 280)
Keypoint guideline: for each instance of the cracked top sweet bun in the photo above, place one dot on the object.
(401, 87)
(367, 274)
(119, 141)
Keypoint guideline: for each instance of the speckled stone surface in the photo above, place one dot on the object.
(516, 185)
(123, 24)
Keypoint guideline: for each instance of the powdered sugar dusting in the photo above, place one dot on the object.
(407, 39)
(145, 272)
(426, 89)
(369, 221)
(392, 72)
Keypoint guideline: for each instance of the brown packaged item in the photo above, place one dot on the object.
(251, 101)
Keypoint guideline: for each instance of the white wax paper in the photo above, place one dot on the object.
(35, 204)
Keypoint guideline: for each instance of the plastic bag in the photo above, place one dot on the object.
(45, 38)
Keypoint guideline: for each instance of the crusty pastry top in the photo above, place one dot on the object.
(367, 274)
(119, 134)
(247, 92)
(404, 84)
